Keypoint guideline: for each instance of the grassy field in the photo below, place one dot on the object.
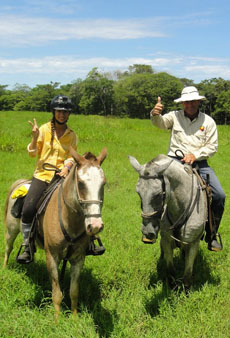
(122, 293)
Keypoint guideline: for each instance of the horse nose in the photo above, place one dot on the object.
(94, 226)
(150, 231)
(89, 228)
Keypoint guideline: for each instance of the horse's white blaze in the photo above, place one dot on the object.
(93, 179)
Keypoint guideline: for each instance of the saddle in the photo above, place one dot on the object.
(16, 210)
(210, 227)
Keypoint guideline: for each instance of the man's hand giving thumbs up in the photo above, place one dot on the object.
(157, 110)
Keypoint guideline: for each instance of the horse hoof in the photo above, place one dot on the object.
(172, 283)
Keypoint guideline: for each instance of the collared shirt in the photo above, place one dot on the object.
(198, 137)
(57, 155)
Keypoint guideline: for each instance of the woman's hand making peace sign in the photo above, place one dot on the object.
(35, 134)
(35, 129)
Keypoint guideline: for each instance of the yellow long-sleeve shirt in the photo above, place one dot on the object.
(57, 155)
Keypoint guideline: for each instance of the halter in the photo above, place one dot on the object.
(156, 212)
(82, 201)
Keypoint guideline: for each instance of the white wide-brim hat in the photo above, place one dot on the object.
(190, 94)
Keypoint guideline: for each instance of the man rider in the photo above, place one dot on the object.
(195, 134)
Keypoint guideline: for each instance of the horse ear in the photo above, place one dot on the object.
(161, 164)
(102, 156)
(78, 158)
(135, 164)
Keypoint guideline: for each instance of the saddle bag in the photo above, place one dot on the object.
(16, 210)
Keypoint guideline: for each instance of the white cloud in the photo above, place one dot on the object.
(19, 30)
(209, 71)
(65, 69)
(70, 64)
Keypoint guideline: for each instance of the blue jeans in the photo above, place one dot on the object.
(218, 195)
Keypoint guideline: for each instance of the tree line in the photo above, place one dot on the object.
(132, 93)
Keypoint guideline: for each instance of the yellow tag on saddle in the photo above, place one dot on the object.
(21, 191)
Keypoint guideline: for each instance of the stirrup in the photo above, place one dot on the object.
(220, 244)
(93, 249)
(30, 251)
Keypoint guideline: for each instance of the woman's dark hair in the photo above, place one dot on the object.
(52, 131)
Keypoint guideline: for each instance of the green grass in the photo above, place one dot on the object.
(122, 293)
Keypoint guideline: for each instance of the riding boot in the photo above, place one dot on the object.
(93, 249)
(215, 242)
(27, 255)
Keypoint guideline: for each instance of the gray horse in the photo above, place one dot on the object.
(173, 202)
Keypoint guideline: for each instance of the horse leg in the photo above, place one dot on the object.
(52, 267)
(190, 255)
(167, 249)
(76, 267)
(12, 230)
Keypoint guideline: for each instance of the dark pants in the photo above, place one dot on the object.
(31, 200)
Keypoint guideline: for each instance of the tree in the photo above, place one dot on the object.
(140, 69)
(75, 95)
(39, 98)
(211, 89)
(136, 94)
(186, 82)
(96, 94)
(10, 98)
(222, 108)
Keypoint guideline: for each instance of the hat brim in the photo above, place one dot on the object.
(190, 98)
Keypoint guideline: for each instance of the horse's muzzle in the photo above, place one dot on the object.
(149, 233)
(94, 226)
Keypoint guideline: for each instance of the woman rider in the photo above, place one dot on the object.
(51, 144)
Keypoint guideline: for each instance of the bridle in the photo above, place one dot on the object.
(155, 213)
(80, 201)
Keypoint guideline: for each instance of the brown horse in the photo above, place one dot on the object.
(72, 215)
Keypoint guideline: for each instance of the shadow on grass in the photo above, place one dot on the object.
(89, 300)
(202, 275)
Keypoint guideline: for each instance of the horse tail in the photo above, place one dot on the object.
(12, 188)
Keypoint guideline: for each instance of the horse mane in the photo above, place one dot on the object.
(13, 186)
(156, 159)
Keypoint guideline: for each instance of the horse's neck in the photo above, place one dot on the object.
(70, 190)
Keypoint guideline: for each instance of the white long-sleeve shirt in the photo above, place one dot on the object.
(198, 137)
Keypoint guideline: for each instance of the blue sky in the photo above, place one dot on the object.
(52, 40)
